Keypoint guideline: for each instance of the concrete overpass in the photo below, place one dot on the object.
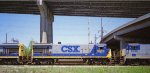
(104, 8)
(96, 8)
(136, 31)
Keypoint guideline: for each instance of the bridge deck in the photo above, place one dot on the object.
(96, 8)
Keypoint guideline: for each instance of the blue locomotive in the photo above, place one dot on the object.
(12, 53)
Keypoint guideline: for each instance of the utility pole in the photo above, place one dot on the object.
(102, 28)
(95, 38)
(88, 30)
(6, 37)
(88, 34)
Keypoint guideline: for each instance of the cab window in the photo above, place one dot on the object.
(100, 48)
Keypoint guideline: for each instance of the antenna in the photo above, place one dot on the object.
(95, 38)
(89, 30)
(88, 34)
(89, 26)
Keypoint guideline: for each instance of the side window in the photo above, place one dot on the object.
(133, 47)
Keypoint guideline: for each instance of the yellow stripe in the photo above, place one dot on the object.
(9, 57)
(68, 57)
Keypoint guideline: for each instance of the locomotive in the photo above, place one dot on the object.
(137, 54)
(91, 54)
(12, 53)
(52, 54)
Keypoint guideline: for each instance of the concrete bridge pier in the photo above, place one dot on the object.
(122, 41)
(46, 23)
(123, 44)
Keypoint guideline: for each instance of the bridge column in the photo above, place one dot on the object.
(122, 51)
(122, 40)
(123, 44)
(46, 20)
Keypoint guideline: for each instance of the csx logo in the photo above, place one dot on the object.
(70, 48)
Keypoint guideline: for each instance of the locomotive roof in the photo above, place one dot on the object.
(9, 45)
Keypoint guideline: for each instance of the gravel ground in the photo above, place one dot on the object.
(44, 66)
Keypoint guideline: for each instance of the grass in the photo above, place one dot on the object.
(76, 69)
(28, 50)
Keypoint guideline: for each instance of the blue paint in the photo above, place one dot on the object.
(12, 54)
(40, 54)
(136, 47)
(133, 54)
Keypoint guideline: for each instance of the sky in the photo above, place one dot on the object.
(66, 29)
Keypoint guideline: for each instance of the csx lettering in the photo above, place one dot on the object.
(70, 48)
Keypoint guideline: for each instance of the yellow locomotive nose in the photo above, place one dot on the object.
(21, 50)
(22, 57)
